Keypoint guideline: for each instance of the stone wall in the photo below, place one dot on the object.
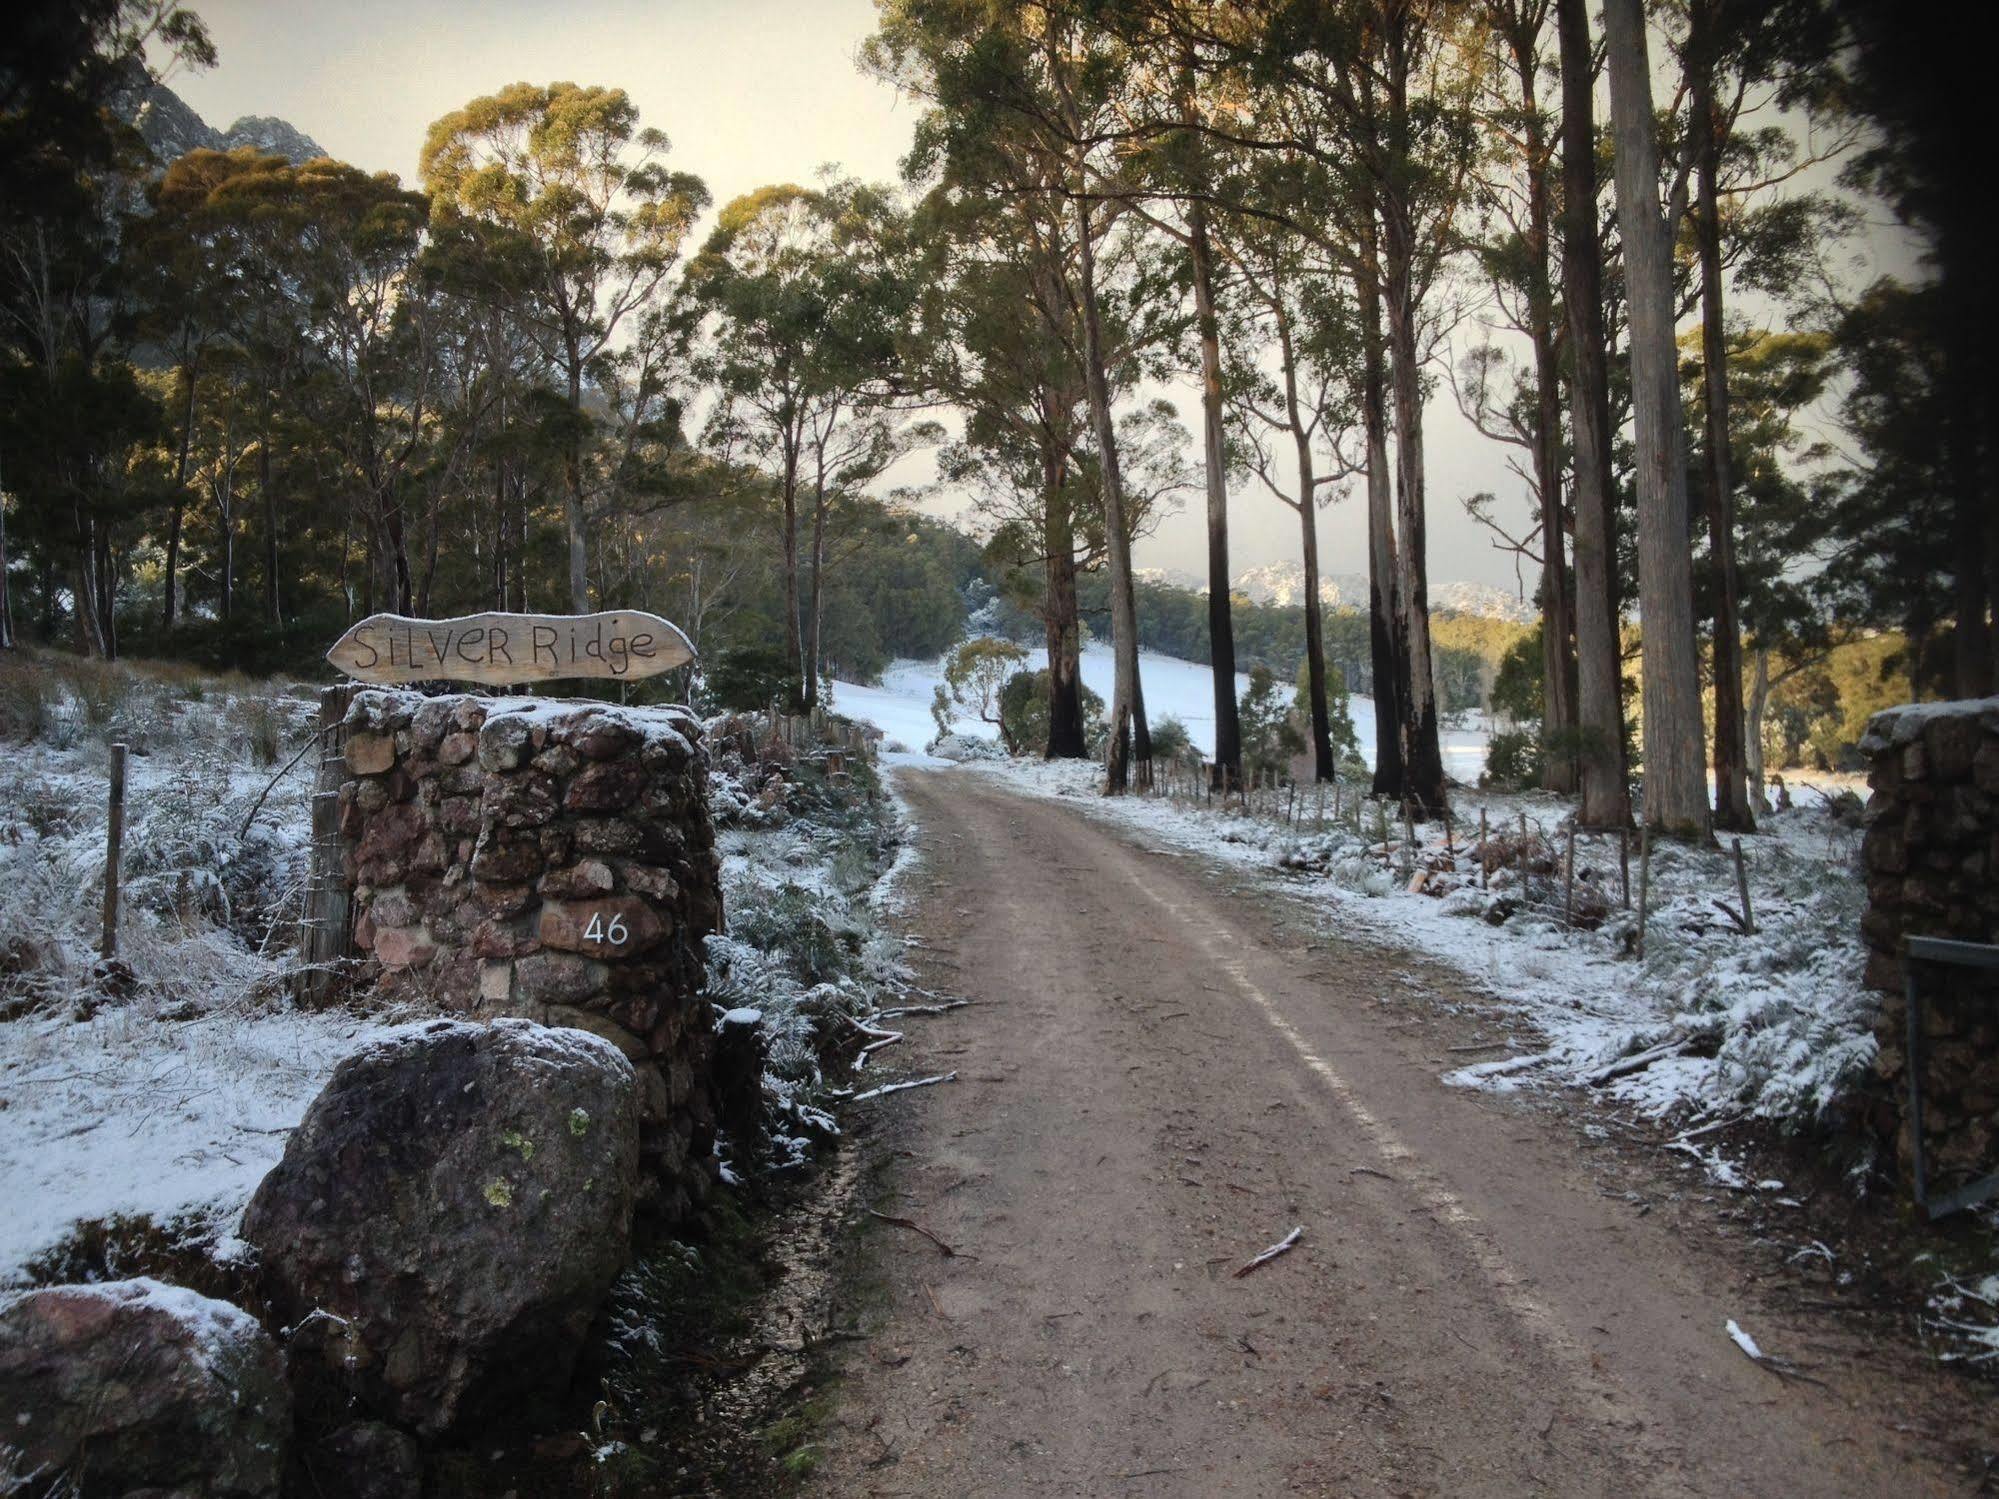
(1932, 862)
(553, 861)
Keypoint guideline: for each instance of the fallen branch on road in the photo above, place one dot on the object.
(1283, 1246)
(887, 1088)
(936, 1009)
(1781, 1367)
(880, 1039)
(914, 1227)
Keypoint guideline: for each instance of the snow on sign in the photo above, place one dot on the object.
(498, 650)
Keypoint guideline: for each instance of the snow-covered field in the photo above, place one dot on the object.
(900, 706)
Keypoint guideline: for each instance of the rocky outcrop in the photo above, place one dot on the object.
(554, 862)
(1932, 863)
(171, 128)
(449, 1216)
(134, 1386)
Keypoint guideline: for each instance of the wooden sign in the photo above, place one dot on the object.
(499, 650)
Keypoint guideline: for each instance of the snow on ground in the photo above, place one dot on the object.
(1771, 1025)
(900, 706)
(168, 1094)
(133, 1114)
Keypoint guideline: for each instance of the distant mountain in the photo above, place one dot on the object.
(1170, 577)
(172, 129)
(1283, 584)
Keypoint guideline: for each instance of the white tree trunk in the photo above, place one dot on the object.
(1676, 798)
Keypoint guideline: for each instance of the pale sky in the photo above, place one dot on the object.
(750, 92)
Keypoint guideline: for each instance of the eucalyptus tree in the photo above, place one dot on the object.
(328, 256)
(998, 342)
(796, 310)
(1176, 172)
(1606, 797)
(1042, 72)
(997, 338)
(1676, 797)
(1372, 93)
(1519, 264)
(1293, 304)
(603, 221)
(186, 282)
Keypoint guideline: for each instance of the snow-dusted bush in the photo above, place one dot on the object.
(804, 947)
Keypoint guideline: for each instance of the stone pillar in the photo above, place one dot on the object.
(553, 861)
(1932, 869)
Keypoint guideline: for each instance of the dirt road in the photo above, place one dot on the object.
(1162, 1075)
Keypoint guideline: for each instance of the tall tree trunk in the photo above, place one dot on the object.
(517, 563)
(401, 577)
(1227, 772)
(225, 504)
(1422, 753)
(1382, 568)
(88, 622)
(1606, 800)
(572, 496)
(500, 528)
(177, 508)
(107, 594)
(794, 645)
(1066, 739)
(1752, 739)
(810, 646)
(1315, 635)
(1558, 722)
(1731, 786)
(1676, 798)
(1126, 712)
(1323, 768)
(273, 604)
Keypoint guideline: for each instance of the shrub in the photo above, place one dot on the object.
(25, 706)
(1170, 740)
(262, 728)
(1024, 709)
(1513, 760)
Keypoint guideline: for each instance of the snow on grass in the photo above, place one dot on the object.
(129, 1114)
(167, 1092)
(1775, 1025)
(900, 706)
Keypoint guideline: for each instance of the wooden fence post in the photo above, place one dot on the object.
(1742, 889)
(1569, 878)
(1484, 879)
(326, 925)
(114, 840)
(1624, 867)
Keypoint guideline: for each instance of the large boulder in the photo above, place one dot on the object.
(449, 1216)
(134, 1385)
